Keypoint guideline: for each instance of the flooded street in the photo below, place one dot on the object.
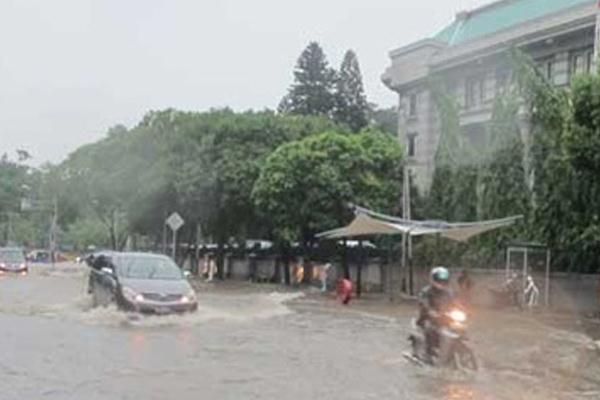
(255, 343)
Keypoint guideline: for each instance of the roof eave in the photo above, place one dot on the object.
(583, 17)
(428, 42)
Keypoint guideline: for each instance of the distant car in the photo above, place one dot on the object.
(140, 282)
(44, 256)
(12, 260)
(39, 256)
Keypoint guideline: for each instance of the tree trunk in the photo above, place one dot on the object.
(345, 266)
(188, 254)
(276, 278)
(306, 265)
(286, 265)
(229, 258)
(113, 238)
(359, 269)
(194, 258)
(389, 272)
(220, 259)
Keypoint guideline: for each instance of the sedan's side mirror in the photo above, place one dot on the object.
(107, 271)
(187, 274)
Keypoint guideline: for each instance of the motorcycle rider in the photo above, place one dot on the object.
(434, 299)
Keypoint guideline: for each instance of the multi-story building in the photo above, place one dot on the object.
(471, 55)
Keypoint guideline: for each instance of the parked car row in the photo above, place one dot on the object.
(44, 256)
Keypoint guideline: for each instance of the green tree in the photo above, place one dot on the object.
(87, 232)
(504, 190)
(103, 179)
(563, 160)
(13, 184)
(384, 119)
(312, 92)
(453, 193)
(351, 108)
(305, 186)
(220, 174)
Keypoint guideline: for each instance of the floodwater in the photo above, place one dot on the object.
(262, 343)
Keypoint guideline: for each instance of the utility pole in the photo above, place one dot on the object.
(407, 269)
(164, 235)
(9, 234)
(53, 229)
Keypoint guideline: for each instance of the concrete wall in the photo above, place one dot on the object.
(571, 293)
(567, 292)
(372, 273)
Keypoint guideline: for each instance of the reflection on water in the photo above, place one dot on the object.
(459, 392)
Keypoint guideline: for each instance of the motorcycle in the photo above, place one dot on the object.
(450, 347)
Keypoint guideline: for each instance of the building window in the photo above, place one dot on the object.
(578, 64)
(411, 142)
(581, 61)
(474, 92)
(502, 80)
(546, 68)
(412, 105)
(549, 70)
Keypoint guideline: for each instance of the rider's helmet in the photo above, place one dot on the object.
(440, 277)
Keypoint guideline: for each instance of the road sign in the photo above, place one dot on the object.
(175, 221)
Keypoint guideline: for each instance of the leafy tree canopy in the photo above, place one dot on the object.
(305, 186)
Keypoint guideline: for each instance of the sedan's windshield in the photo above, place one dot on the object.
(12, 256)
(141, 267)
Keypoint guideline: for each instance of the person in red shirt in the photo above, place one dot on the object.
(345, 290)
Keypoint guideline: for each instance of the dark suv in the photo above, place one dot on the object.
(141, 282)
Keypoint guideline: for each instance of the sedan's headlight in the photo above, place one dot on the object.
(132, 295)
(189, 298)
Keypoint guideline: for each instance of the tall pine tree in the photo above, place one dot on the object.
(352, 108)
(312, 92)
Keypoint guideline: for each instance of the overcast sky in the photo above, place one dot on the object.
(69, 69)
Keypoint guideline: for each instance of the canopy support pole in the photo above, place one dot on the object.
(547, 287)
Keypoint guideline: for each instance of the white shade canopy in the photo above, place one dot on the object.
(367, 223)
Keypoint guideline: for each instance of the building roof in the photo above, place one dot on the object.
(500, 15)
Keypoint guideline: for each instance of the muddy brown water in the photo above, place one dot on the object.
(262, 343)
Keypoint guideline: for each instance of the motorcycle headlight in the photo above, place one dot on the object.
(132, 295)
(458, 316)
